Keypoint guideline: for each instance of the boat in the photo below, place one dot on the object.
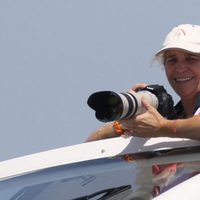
(122, 168)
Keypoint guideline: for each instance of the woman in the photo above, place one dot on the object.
(180, 56)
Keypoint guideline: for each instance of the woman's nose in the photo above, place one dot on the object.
(181, 66)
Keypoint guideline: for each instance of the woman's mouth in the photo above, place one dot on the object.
(183, 79)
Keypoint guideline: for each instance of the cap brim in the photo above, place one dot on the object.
(192, 48)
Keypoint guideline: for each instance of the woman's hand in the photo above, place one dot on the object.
(148, 124)
(139, 86)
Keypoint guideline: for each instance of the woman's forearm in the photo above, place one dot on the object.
(103, 132)
(183, 128)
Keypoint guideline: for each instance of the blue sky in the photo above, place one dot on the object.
(55, 53)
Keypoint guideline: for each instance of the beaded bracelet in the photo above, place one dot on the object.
(117, 128)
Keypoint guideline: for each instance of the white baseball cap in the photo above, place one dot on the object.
(185, 37)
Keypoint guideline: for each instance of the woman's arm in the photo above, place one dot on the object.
(152, 124)
(188, 128)
(103, 132)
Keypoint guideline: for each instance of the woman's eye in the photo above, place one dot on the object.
(191, 60)
(171, 60)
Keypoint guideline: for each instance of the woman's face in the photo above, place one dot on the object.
(183, 72)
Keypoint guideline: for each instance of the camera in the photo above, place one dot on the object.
(111, 106)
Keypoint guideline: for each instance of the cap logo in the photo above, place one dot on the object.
(180, 32)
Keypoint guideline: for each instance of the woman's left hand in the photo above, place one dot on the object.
(149, 124)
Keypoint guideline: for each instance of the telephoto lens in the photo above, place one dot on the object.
(107, 104)
(111, 106)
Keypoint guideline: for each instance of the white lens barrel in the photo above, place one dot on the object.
(129, 104)
(132, 103)
(151, 98)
